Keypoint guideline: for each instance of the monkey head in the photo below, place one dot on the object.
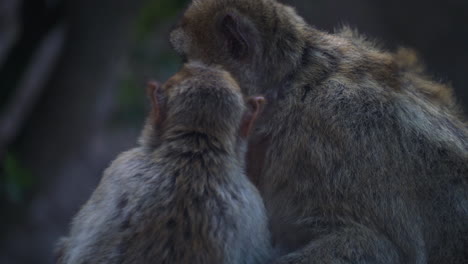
(251, 39)
(201, 99)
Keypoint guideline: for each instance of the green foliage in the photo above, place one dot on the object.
(151, 59)
(17, 181)
(130, 98)
(156, 11)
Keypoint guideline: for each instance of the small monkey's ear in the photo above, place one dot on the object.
(155, 94)
(255, 106)
(238, 35)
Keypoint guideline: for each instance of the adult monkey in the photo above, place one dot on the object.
(360, 157)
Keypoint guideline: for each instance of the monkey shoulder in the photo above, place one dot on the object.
(98, 225)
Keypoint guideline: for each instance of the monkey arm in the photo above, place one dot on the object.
(349, 244)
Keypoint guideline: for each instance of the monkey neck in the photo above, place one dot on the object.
(189, 139)
(199, 139)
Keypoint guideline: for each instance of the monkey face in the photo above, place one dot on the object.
(216, 33)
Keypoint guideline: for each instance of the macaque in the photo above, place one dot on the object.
(359, 155)
(182, 196)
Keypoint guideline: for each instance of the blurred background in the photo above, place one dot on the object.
(72, 90)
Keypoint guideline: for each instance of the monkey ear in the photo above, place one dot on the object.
(237, 35)
(255, 105)
(155, 94)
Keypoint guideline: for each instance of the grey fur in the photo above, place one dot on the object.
(360, 156)
(182, 196)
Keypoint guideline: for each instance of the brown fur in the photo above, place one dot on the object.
(182, 196)
(360, 156)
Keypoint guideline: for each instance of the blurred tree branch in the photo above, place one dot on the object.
(30, 87)
(8, 26)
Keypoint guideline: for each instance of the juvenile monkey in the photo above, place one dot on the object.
(182, 196)
(360, 157)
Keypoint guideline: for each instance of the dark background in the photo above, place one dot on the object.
(72, 91)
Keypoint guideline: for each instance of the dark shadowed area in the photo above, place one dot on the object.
(72, 91)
